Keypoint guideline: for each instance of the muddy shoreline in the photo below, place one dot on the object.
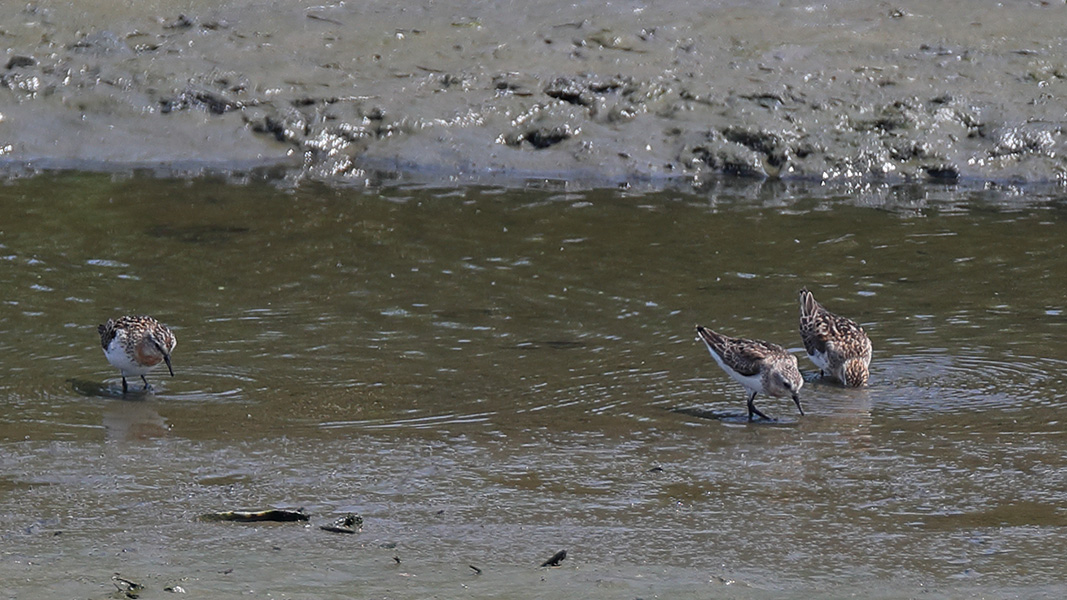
(619, 93)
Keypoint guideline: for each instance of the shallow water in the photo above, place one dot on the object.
(490, 375)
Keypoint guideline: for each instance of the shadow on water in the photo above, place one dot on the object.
(734, 418)
(96, 389)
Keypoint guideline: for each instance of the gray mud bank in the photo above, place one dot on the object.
(618, 92)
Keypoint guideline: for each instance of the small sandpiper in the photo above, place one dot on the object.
(136, 346)
(761, 367)
(838, 346)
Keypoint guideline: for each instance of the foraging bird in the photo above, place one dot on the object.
(838, 346)
(761, 367)
(136, 346)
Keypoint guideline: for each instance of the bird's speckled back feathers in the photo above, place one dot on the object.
(834, 343)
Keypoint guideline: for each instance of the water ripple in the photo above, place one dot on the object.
(968, 380)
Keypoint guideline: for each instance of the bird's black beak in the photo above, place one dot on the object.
(796, 400)
(166, 358)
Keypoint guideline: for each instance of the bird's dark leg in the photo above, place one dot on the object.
(125, 388)
(752, 410)
(146, 386)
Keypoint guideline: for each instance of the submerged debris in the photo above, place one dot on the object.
(350, 523)
(556, 559)
(126, 587)
(248, 516)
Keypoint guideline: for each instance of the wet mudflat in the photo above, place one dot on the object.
(619, 92)
(489, 375)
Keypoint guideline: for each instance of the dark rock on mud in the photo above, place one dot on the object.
(350, 523)
(556, 559)
(20, 61)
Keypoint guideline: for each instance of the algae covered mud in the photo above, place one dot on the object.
(488, 376)
(622, 92)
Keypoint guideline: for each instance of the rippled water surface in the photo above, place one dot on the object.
(488, 376)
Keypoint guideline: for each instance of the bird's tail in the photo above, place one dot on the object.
(808, 305)
(713, 340)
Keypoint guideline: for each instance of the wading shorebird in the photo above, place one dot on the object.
(838, 346)
(761, 367)
(136, 346)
